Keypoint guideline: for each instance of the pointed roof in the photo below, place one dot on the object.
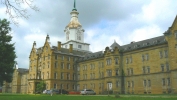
(115, 44)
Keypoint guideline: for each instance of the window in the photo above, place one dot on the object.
(166, 53)
(56, 57)
(78, 68)
(142, 57)
(108, 61)
(79, 46)
(167, 66)
(117, 83)
(161, 54)
(163, 81)
(62, 65)
(68, 76)
(68, 66)
(128, 72)
(162, 67)
(148, 69)
(149, 83)
(62, 75)
(168, 81)
(144, 70)
(62, 57)
(128, 84)
(55, 75)
(55, 86)
(117, 72)
(78, 76)
(109, 73)
(68, 58)
(116, 61)
(132, 83)
(126, 60)
(147, 57)
(56, 64)
(85, 67)
(144, 82)
(130, 59)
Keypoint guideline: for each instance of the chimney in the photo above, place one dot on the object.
(59, 45)
(70, 48)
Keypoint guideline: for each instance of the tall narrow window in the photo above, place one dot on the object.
(130, 59)
(168, 81)
(147, 57)
(132, 84)
(56, 64)
(148, 69)
(117, 72)
(55, 75)
(163, 81)
(68, 76)
(55, 86)
(126, 60)
(149, 83)
(161, 54)
(144, 83)
(166, 53)
(56, 57)
(62, 75)
(142, 57)
(128, 84)
(162, 67)
(62, 65)
(144, 70)
(116, 61)
(68, 66)
(117, 83)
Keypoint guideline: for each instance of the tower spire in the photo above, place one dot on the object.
(74, 6)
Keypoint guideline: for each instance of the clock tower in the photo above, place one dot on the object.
(75, 33)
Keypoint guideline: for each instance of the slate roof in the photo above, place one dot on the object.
(22, 70)
(90, 56)
(144, 43)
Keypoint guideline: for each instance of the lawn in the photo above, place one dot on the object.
(80, 97)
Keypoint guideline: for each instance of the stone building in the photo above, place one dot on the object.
(144, 67)
(19, 82)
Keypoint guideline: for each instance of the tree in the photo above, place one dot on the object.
(7, 52)
(17, 8)
(41, 86)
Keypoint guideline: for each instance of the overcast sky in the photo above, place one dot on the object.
(103, 20)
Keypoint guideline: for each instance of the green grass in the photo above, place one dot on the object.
(80, 97)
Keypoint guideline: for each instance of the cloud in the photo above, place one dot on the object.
(104, 21)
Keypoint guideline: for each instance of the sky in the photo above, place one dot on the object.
(104, 22)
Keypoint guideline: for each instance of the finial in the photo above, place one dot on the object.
(74, 5)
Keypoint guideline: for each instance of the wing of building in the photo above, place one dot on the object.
(144, 67)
